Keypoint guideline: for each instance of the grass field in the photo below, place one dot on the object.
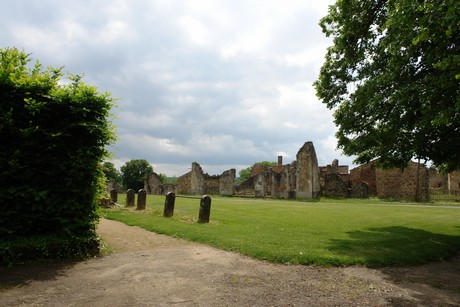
(328, 232)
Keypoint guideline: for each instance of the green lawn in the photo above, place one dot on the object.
(329, 232)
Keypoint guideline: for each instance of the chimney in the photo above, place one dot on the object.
(280, 160)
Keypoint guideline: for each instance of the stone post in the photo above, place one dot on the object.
(169, 204)
(205, 209)
(130, 194)
(141, 199)
(114, 195)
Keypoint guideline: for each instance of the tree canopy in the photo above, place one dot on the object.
(393, 78)
(134, 172)
(53, 138)
(110, 172)
(246, 172)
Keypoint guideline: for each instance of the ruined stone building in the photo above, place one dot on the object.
(297, 180)
(197, 182)
(335, 181)
(412, 183)
(446, 183)
(304, 179)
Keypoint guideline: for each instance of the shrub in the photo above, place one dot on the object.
(53, 136)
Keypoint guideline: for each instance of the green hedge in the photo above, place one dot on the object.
(53, 136)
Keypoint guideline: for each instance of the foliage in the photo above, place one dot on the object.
(134, 173)
(167, 180)
(53, 136)
(246, 173)
(330, 232)
(393, 78)
(110, 172)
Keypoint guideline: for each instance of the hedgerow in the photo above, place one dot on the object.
(54, 130)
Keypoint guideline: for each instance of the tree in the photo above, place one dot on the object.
(246, 172)
(110, 172)
(134, 173)
(53, 138)
(393, 78)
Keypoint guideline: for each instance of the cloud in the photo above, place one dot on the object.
(218, 82)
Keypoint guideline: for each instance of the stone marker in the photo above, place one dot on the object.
(130, 195)
(205, 209)
(114, 195)
(169, 204)
(141, 199)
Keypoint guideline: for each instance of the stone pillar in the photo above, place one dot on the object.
(130, 195)
(141, 199)
(168, 210)
(205, 209)
(196, 179)
(307, 173)
(114, 195)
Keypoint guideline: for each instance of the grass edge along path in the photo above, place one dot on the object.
(329, 232)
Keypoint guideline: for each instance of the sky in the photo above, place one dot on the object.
(225, 83)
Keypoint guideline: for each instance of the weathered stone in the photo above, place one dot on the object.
(205, 209)
(170, 200)
(335, 187)
(360, 190)
(307, 179)
(130, 195)
(141, 199)
(114, 195)
(227, 182)
(196, 179)
(259, 185)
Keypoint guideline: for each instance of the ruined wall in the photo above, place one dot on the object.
(365, 173)
(307, 175)
(152, 184)
(438, 180)
(245, 188)
(334, 186)
(211, 185)
(402, 184)
(259, 185)
(227, 182)
(196, 179)
(112, 185)
(184, 185)
(283, 182)
(454, 181)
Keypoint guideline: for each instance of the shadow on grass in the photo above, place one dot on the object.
(396, 246)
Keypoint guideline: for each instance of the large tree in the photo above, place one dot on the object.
(393, 78)
(110, 172)
(134, 172)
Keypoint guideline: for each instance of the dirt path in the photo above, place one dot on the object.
(147, 269)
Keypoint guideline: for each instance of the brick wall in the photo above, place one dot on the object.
(402, 184)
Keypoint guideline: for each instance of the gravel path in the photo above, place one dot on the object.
(147, 269)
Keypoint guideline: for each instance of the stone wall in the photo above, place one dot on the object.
(184, 185)
(196, 180)
(453, 181)
(227, 182)
(152, 184)
(365, 174)
(335, 187)
(403, 184)
(307, 175)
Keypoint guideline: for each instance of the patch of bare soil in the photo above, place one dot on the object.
(148, 269)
